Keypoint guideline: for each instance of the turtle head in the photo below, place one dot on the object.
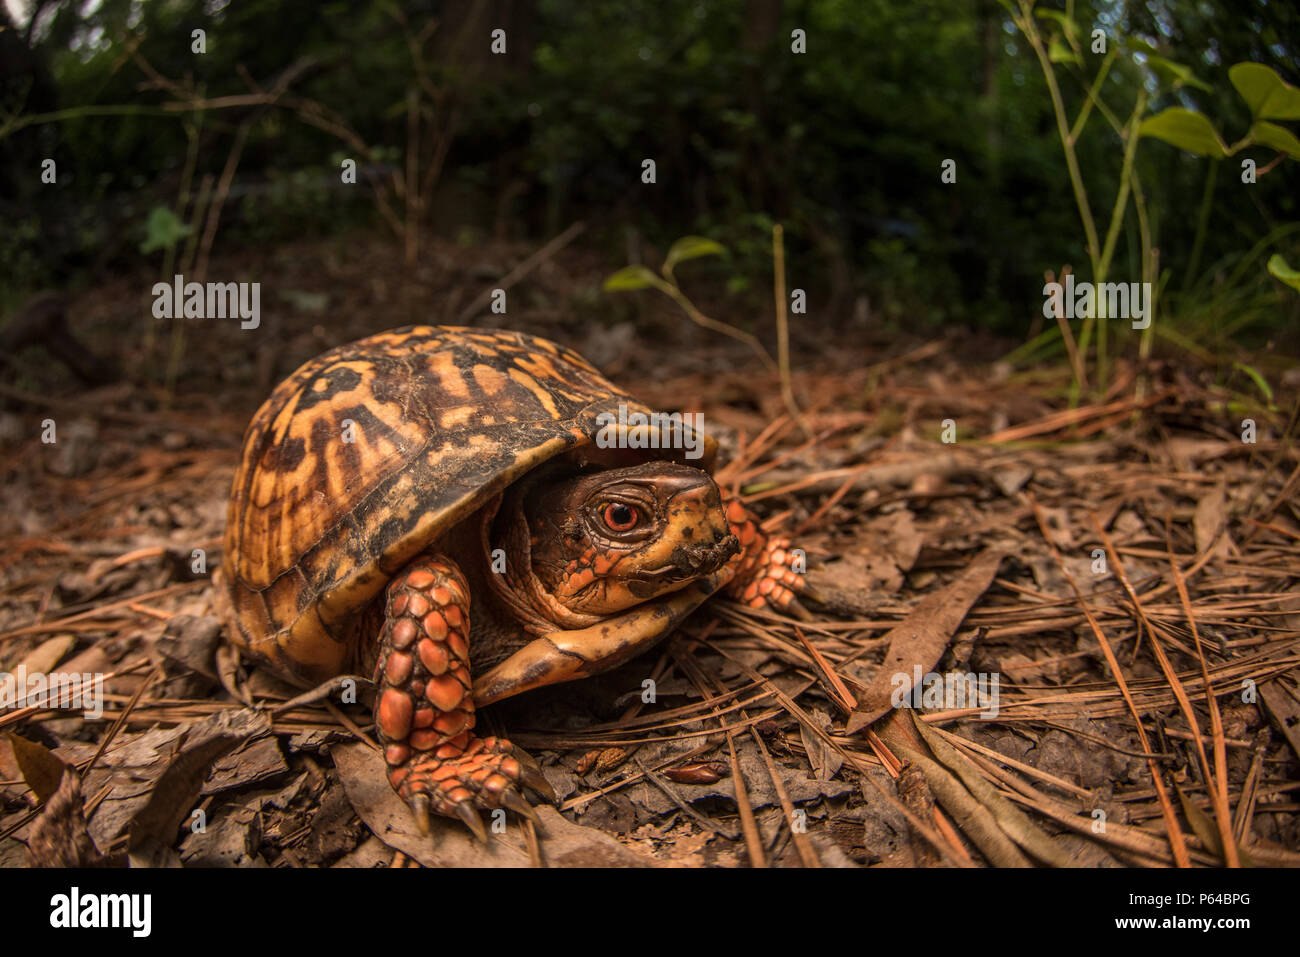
(606, 541)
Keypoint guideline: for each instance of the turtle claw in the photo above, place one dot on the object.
(531, 777)
(795, 609)
(421, 808)
(809, 593)
(466, 812)
(512, 800)
(488, 773)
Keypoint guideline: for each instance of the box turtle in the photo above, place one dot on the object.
(452, 512)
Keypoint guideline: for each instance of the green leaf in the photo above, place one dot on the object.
(1258, 379)
(1187, 130)
(1056, 15)
(1281, 270)
(1065, 23)
(1058, 52)
(631, 277)
(1268, 97)
(162, 230)
(1276, 137)
(692, 247)
(1176, 74)
(1138, 45)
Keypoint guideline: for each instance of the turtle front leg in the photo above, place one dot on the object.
(425, 710)
(764, 573)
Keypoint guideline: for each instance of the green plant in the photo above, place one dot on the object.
(1277, 266)
(1268, 97)
(1063, 47)
(631, 278)
(1264, 92)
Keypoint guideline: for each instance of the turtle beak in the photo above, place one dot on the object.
(705, 541)
(706, 559)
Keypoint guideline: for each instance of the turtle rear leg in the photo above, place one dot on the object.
(767, 573)
(424, 713)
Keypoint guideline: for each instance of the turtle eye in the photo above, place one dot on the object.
(620, 517)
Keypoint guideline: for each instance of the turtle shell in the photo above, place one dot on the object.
(367, 454)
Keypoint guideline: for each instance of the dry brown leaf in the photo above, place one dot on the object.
(41, 769)
(156, 776)
(1014, 822)
(1205, 829)
(1284, 712)
(920, 639)
(825, 761)
(47, 654)
(1210, 520)
(974, 819)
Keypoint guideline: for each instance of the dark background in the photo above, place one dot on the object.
(841, 145)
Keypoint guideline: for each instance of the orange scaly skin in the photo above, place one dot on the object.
(586, 568)
(425, 712)
(763, 573)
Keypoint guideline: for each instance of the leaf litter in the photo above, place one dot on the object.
(1127, 569)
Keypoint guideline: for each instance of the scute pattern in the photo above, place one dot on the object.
(440, 420)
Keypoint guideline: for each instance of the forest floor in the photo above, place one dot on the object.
(1121, 575)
